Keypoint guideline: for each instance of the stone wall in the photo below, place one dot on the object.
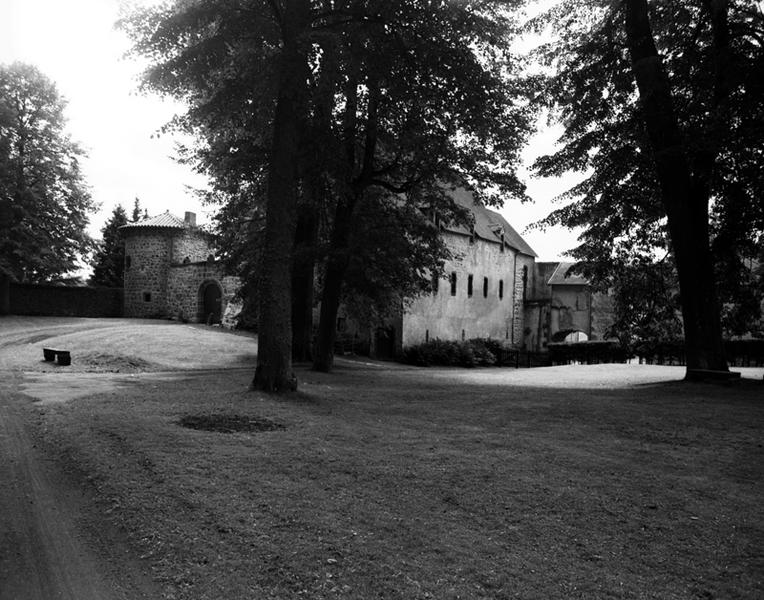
(525, 283)
(453, 317)
(190, 245)
(64, 301)
(185, 287)
(147, 263)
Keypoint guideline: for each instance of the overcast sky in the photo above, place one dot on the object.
(74, 43)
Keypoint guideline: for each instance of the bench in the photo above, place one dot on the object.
(63, 356)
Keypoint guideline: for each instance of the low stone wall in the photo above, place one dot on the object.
(63, 301)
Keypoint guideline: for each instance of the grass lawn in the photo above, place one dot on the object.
(409, 483)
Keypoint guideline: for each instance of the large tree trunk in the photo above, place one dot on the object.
(685, 198)
(303, 283)
(274, 356)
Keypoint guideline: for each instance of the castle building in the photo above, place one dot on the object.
(171, 271)
(484, 289)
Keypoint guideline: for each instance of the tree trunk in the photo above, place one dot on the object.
(303, 283)
(336, 265)
(685, 198)
(274, 356)
(5, 294)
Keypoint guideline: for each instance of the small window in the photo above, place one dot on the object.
(463, 335)
(472, 234)
(501, 289)
(502, 243)
(128, 262)
(469, 286)
(435, 281)
(453, 284)
(525, 282)
(186, 260)
(485, 287)
(147, 296)
(210, 258)
(426, 335)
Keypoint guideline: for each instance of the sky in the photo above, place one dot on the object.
(75, 44)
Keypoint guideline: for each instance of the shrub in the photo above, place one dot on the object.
(589, 352)
(450, 353)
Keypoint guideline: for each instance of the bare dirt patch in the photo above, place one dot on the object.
(227, 423)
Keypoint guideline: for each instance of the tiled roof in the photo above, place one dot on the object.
(488, 223)
(163, 220)
(561, 277)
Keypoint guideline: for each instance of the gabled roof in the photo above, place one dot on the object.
(164, 220)
(488, 223)
(560, 276)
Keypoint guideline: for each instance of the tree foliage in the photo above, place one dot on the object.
(697, 81)
(401, 100)
(109, 257)
(45, 200)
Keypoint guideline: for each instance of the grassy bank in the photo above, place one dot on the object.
(412, 484)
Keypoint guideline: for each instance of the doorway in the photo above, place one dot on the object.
(211, 297)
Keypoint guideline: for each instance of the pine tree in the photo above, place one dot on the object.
(109, 258)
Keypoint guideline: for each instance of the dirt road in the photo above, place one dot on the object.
(52, 544)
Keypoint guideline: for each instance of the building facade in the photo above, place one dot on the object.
(171, 271)
(482, 293)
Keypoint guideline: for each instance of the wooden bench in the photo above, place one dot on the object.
(63, 356)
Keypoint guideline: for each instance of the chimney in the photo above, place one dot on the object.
(190, 219)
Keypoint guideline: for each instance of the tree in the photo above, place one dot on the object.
(658, 104)
(40, 180)
(287, 105)
(109, 258)
(427, 100)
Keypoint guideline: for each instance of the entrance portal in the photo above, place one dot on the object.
(211, 303)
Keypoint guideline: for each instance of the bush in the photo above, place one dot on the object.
(562, 353)
(476, 352)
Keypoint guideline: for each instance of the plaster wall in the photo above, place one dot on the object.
(441, 315)
(571, 309)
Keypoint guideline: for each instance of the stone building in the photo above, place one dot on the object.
(171, 271)
(484, 289)
(561, 307)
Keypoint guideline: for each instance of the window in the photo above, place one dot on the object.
(525, 282)
(472, 234)
(485, 287)
(128, 262)
(147, 296)
(469, 286)
(463, 336)
(502, 243)
(341, 324)
(453, 284)
(501, 289)
(435, 280)
(426, 335)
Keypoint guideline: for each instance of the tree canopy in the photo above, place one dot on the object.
(42, 190)
(662, 112)
(378, 105)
